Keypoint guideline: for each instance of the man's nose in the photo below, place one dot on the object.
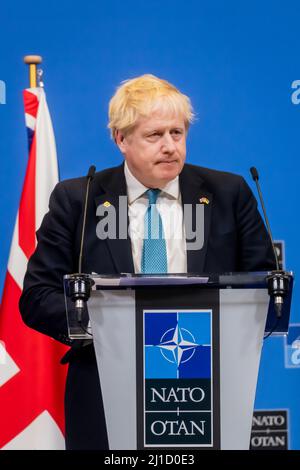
(168, 144)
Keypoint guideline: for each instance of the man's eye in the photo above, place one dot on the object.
(177, 134)
(154, 135)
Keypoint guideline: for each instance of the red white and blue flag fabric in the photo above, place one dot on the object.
(31, 378)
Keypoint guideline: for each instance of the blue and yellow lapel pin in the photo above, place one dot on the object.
(204, 200)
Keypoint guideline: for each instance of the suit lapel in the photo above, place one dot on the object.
(120, 247)
(192, 190)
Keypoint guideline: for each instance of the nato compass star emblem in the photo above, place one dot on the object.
(177, 345)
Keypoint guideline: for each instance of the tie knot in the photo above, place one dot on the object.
(152, 195)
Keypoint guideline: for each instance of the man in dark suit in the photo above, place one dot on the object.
(149, 119)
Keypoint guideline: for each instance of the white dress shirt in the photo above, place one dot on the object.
(170, 208)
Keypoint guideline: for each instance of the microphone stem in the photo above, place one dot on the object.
(83, 225)
(267, 222)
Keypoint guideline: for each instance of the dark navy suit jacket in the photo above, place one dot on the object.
(235, 239)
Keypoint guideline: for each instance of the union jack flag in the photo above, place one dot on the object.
(31, 378)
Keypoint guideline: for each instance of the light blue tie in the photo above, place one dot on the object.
(154, 255)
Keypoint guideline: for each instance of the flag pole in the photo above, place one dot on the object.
(32, 61)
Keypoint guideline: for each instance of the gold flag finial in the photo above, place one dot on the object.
(32, 61)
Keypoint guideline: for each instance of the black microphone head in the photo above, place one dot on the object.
(91, 172)
(254, 173)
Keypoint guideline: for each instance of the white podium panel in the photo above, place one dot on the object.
(242, 319)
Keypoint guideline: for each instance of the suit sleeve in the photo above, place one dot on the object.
(42, 303)
(255, 251)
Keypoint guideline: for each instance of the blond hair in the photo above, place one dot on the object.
(142, 95)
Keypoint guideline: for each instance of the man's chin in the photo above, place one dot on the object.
(169, 170)
(165, 177)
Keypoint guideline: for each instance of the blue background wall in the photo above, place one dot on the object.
(235, 59)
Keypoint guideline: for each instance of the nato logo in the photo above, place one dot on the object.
(292, 347)
(178, 378)
(269, 430)
(177, 344)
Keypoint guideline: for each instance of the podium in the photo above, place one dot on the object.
(178, 355)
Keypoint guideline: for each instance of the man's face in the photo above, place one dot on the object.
(156, 148)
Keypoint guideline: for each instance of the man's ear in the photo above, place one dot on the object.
(120, 141)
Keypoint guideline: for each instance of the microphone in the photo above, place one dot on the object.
(255, 177)
(278, 281)
(80, 285)
(89, 176)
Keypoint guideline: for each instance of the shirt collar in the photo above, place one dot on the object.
(135, 189)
